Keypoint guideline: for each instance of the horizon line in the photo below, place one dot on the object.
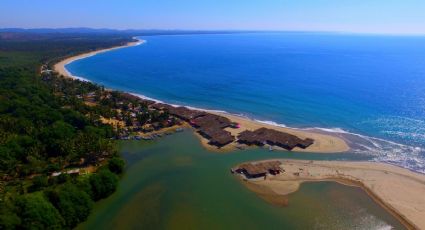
(5, 29)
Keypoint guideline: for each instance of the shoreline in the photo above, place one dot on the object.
(323, 143)
(60, 66)
(398, 190)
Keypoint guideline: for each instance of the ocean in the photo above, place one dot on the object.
(368, 89)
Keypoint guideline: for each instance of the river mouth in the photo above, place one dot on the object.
(174, 183)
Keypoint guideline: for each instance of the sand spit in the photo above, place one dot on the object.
(60, 66)
(398, 190)
(323, 143)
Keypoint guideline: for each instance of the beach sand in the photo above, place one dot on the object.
(60, 66)
(322, 143)
(400, 191)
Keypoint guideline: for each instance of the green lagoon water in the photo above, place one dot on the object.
(174, 183)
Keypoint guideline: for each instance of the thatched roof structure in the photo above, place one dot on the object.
(212, 120)
(185, 113)
(273, 137)
(216, 136)
(212, 127)
(259, 169)
(209, 125)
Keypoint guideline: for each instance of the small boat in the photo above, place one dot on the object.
(147, 138)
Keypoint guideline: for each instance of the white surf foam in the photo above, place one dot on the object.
(380, 149)
(271, 123)
(139, 42)
(205, 110)
(146, 97)
(329, 130)
(372, 140)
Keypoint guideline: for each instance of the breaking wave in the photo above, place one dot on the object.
(407, 130)
(381, 150)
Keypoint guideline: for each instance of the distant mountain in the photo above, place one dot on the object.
(84, 30)
(61, 30)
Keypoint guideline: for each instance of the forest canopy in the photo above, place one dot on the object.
(47, 134)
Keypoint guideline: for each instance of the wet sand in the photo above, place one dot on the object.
(323, 143)
(176, 182)
(398, 190)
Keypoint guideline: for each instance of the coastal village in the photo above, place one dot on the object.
(134, 118)
(137, 119)
(61, 155)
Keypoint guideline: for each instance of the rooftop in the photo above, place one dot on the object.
(263, 136)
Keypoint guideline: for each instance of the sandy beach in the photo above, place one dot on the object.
(398, 190)
(60, 66)
(322, 143)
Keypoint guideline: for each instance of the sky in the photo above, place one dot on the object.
(361, 16)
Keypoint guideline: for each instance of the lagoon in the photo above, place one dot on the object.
(174, 183)
(370, 88)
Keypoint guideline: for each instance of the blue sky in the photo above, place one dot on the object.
(368, 16)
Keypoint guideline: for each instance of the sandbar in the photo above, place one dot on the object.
(323, 143)
(398, 190)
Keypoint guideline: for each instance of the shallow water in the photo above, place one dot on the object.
(373, 86)
(173, 183)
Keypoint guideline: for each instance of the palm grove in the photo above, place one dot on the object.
(46, 131)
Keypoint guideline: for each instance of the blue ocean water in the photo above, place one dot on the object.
(368, 89)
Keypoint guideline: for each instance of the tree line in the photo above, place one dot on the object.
(45, 128)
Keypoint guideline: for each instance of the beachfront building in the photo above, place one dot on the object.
(273, 137)
(259, 169)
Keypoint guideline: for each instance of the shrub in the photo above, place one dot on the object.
(103, 184)
(38, 183)
(116, 165)
(73, 204)
(37, 213)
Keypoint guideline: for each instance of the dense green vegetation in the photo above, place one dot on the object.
(46, 130)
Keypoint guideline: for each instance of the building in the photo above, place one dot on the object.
(259, 169)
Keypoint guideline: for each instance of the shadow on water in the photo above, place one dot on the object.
(174, 183)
